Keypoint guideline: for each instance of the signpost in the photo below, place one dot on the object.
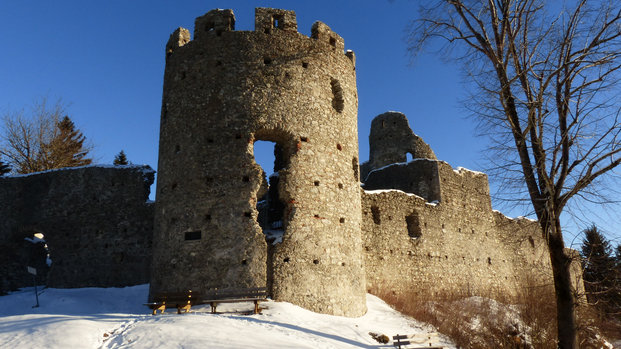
(33, 271)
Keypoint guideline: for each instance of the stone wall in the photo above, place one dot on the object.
(96, 223)
(391, 140)
(430, 229)
(223, 91)
(454, 246)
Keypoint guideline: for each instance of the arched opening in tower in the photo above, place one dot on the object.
(269, 155)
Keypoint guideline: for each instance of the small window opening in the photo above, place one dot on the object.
(338, 102)
(343, 264)
(316, 183)
(489, 260)
(375, 211)
(408, 157)
(177, 149)
(209, 140)
(173, 186)
(193, 235)
(316, 216)
(244, 262)
(278, 21)
(246, 179)
(305, 65)
(531, 241)
(164, 111)
(238, 136)
(267, 61)
(315, 261)
(342, 220)
(207, 217)
(413, 224)
(247, 214)
(182, 75)
(339, 147)
(209, 27)
(218, 63)
(340, 185)
(333, 41)
(304, 139)
(286, 260)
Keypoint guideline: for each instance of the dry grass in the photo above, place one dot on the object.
(482, 322)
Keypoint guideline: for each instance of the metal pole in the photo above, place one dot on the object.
(34, 278)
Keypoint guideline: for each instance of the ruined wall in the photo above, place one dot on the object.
(95, 220)
(223, 91)
(390, 140)
(457, 245)
(431, 229)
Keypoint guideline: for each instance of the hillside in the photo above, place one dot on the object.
(116, 318)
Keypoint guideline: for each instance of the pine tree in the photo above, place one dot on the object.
(67, 148)
(4, 168)
(600, 271)
(120, 159)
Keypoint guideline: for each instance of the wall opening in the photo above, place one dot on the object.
(408, 157)
(375, 212)
(413, 224)
(269, 155)
(192, 235)
(338, 102)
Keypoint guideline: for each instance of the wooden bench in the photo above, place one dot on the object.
(255, 295)
(180, 300)
(423, 340)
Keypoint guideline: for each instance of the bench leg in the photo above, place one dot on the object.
(213, 307)
(257, 310)
(161, 308)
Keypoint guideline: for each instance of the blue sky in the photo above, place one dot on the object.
(106, 59)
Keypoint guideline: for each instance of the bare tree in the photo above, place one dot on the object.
(545, 80)
(42, 140)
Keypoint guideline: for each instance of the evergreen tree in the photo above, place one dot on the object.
(4, 168)
(600, 272)
(67, 147)
(120, 159)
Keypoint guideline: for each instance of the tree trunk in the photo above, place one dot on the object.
(565, 302)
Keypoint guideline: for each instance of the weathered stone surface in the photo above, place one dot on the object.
(420, 177)
(223, 91)
(390, 140)
(96, 223)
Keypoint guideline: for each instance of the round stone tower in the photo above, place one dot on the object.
(223, 91)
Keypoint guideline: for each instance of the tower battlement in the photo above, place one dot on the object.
(268, 22)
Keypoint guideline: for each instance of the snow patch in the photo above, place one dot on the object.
(116, 318)
(145, 169)
(460, 170)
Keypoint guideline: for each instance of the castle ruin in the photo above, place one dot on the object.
(325, 229)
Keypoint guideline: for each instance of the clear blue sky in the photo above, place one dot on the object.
(106, 58)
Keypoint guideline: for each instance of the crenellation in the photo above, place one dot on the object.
(270, 20)
(322, 33)
(178, 38)
(214, 22)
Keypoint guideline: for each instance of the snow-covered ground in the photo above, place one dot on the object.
(116, 318)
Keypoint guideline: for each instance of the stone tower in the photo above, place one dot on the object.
(223, 91)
